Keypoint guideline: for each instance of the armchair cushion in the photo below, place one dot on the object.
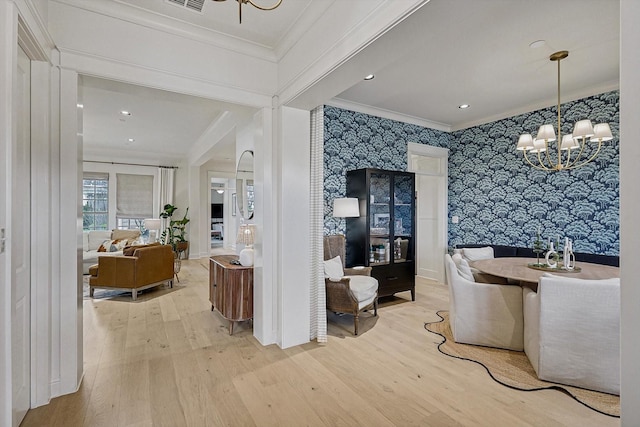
(463, 267)
(363, 288)
(333, 268)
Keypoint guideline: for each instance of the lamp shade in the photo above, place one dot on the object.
(602, 132)
(546, 133)
(568, 143)
(346, 207)
(152, 223)
(539, 146)
(583, 129)
(246, 234)
(525, 142)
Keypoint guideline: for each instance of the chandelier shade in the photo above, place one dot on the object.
(582, 140)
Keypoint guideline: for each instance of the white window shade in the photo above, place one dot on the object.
(134, 196)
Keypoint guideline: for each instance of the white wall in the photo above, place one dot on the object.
(629, 208)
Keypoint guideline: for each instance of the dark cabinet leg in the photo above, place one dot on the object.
(413, 294)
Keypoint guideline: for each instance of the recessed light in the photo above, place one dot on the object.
(536, 44)
(463, 106)
(369, 77)
(131, 139)
(125, 113)
(80, 105)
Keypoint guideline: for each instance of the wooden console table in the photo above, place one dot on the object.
(231, 289)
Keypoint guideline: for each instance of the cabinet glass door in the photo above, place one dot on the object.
(379, 218)
(402, 217)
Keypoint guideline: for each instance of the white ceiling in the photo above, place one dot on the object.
(447, 53)
(477, 53)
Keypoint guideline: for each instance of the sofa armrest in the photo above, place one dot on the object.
(116, 271)
(155, 264)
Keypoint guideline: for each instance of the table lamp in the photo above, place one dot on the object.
(346, 207)
(153, 225)
(246, 235)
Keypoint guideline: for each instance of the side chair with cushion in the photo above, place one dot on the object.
(349, 290)
(140, 267)
(572, 331)
(484, 313)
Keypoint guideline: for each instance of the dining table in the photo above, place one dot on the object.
(518, 271)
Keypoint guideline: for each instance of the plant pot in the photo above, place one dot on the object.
(182, 247)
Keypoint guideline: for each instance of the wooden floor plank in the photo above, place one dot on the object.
(168, 360)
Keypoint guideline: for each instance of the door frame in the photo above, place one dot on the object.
(442, 155)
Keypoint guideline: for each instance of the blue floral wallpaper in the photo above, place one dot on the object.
(498, 197)
(357, 140)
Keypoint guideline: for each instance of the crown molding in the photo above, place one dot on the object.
(97, 66)
(387, 114)
(138, 16)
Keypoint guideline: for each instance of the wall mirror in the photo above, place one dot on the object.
(244, 185)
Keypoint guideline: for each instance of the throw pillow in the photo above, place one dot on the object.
(476, 254)
(112, 245)
(105, 246)
(333, 268)
(463, 267)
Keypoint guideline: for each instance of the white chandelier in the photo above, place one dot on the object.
(257, 6)
(583, 133)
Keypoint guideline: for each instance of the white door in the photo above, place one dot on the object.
(20, 247)
(430, 166)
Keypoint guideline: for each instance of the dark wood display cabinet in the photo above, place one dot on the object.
(383, 237)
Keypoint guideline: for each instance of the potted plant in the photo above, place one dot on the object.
(175, 233)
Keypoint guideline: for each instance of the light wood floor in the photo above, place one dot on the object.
(167, 360)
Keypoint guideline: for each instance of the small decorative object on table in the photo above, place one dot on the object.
(538, 248)
(556, 261)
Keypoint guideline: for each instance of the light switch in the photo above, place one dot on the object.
(455, 219)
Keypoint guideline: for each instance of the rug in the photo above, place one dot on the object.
(513, 369)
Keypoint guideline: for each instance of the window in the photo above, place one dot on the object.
(95, 202)
(134, 200)
(129, 223)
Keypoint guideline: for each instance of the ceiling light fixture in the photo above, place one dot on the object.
(583, 132)
(463, 106)
(220, 191)
(125, 113)
(257, 6)
(369, 77)
(131, 139)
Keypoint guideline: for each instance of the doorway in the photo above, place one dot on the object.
(430, 164)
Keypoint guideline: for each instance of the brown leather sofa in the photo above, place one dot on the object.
(140, 267)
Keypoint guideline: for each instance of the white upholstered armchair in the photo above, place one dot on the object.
(349, 290)
(483, 313)
(572, 332)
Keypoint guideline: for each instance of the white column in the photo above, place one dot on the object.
(8, 52)
(266, 220)
(629, 207)
(70, 240)
(294, 149)
(41, 277)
